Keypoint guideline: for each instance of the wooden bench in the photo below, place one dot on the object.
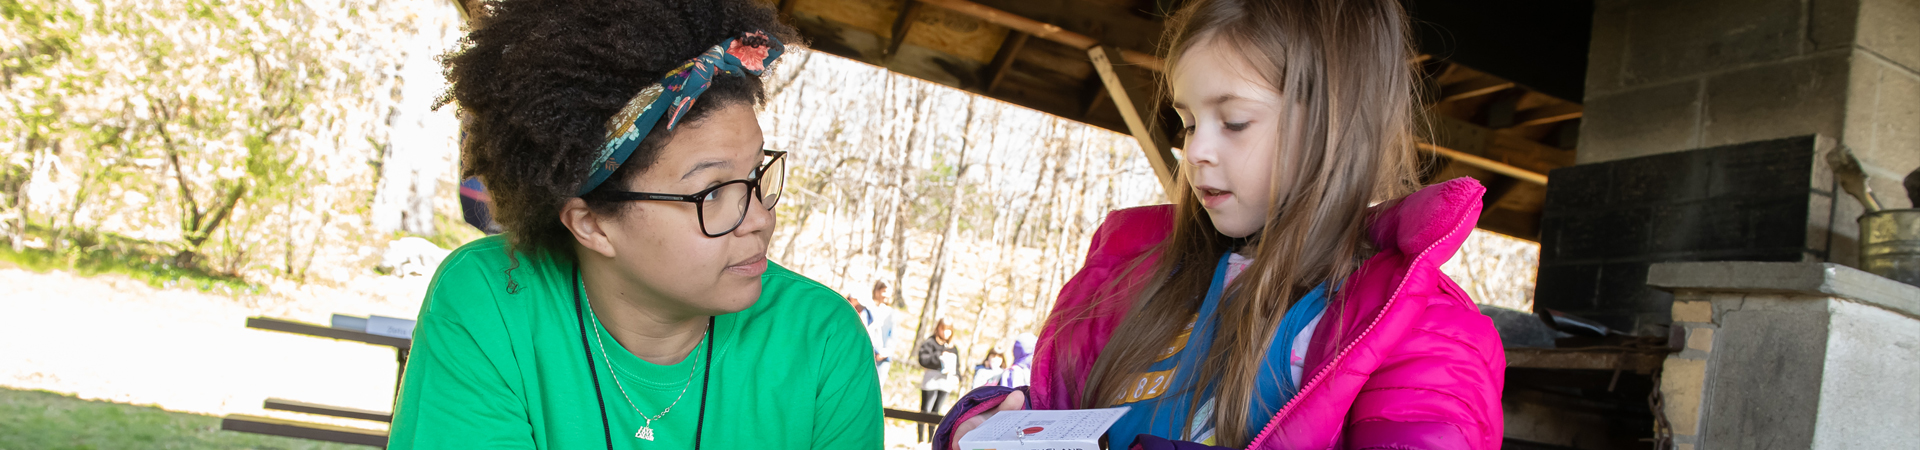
(330, 433)
(280, 404)
(316, 431)
(401, 346)
(303, 430)
(912, 416)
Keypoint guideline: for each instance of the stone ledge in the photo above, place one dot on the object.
(1790, 278)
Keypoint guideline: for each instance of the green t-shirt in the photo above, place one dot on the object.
(492, 369)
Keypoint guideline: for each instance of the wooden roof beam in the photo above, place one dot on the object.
(1042, 30)
(902, 23)
(1547, 114)
(1003, 59)
(1099, 98)
(1128, 92)
(1060, 35)
(1473, 88)
(785, 9)
(470, 10)
(1484, 163)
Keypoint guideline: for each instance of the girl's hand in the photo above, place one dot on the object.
(1015, 401)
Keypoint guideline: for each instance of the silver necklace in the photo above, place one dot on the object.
(646, 431)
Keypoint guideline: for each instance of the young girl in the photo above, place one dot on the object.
(988, 372)
(1291, 297)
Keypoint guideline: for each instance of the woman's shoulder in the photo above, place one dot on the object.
(477, 274)
(807, 293)
(482, 252)
(790, 295)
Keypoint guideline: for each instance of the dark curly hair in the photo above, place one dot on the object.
(538, 80)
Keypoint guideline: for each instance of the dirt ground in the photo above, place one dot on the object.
(113, 338)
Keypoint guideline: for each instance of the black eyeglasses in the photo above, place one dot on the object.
(723, 207)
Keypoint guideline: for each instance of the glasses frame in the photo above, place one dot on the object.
(699, 206)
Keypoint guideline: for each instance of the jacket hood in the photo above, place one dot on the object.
(1023, 350)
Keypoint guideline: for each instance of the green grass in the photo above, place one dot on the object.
(46, 420)
(95, 254)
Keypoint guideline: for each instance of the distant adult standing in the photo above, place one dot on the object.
(939, 363)
(881, 321)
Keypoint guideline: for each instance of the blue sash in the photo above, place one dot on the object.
(1162, 397)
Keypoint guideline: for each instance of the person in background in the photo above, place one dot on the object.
(881, 322)
(938, 363)
(880, 292)
(990, 369)
(1020, 373)
(473, 206)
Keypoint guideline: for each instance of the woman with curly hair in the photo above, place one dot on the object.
(630, 303)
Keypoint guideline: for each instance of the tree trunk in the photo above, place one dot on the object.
(189, 256)
(79, 199)
(903, 185)
(953, 212)
(1046, 164)
(21, 203)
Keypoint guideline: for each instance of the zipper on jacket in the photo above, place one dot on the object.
(1335, 362)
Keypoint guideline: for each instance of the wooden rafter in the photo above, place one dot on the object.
(785, 8)
(1498, 112)
(469, 9)
(1003, 59)
(1473, 88)
(1041, 30)
(1097, 99)
(902, 24)
(1128, 93)
(1512, 148)
(1547, 114)
(1484, 163)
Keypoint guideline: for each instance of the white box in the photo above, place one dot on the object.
(1079, 429)
(346, 322)
(390, 326)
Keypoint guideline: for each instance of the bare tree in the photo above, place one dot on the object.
(952, 214)
(904, 197)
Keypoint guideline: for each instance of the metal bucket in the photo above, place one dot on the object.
(1890, 244)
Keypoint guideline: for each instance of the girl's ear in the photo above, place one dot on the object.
(586, 227)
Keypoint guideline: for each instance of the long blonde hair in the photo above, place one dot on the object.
(1344, 68)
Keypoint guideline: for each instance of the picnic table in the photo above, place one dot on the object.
(317, 431)
(361, 436)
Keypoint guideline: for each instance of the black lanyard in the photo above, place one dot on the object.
(606, 427)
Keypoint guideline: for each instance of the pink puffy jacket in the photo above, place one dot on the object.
(1416, 365)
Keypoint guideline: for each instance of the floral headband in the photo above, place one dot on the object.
(674, 95)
